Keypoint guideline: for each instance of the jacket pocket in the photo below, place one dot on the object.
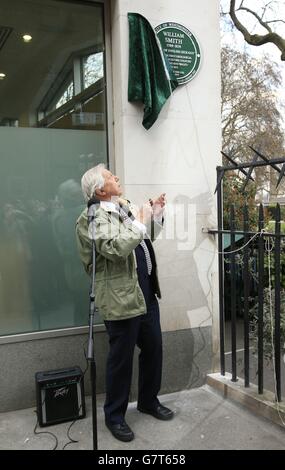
(125, 300)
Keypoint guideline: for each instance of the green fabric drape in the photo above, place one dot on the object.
(151, 81)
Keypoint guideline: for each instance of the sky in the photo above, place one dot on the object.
(232, 36)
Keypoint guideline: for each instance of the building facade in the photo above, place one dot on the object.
(64, 108)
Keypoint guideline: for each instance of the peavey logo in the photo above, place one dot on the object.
(61, 392)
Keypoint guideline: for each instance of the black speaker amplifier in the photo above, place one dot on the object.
(60, 395)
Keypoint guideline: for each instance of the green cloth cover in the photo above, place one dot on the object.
(151, 81)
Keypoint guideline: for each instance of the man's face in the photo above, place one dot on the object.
(112, 185)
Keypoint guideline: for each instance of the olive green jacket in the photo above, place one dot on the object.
(118, 295)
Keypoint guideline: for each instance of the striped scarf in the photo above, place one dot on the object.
(127, 218)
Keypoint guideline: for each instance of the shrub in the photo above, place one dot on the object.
(268, 323)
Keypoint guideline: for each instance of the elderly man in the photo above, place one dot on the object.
(125, 294)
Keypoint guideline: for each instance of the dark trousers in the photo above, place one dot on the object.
(145, 332)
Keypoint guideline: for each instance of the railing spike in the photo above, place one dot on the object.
(221, 175)
(265, 159)
(235, 164)
(249, 172)
(281, 175)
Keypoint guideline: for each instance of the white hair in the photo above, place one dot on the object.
(91, 180)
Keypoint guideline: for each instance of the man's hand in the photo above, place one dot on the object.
(158, 205)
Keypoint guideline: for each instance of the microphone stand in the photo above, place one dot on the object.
(92, 310)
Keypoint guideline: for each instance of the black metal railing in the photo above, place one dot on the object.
(252, 241)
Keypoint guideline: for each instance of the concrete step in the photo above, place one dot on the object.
(263, 405)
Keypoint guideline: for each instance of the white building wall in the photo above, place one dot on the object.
(178, 155)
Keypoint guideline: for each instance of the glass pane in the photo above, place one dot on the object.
(42, 282)
(66, 95)
(93, 68)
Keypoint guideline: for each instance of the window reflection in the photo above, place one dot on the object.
(93, 69)
(66, 95)
(59, 71)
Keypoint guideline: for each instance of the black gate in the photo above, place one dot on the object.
(267, 246)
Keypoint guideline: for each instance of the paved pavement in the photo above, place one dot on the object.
(203, 420)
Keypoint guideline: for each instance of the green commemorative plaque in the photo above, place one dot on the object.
(181, 49)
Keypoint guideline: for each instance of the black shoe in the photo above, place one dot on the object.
(159, 412)
(121, 431)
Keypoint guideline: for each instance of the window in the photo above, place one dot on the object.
(52, 129)
(93, 69)
(72, 89)
(66, 96)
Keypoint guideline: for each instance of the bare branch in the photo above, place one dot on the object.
(263, 23)
(257, 39)
(276, 21)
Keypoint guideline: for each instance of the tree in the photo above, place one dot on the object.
(232, 194)
(250, 109)
(262, 15)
